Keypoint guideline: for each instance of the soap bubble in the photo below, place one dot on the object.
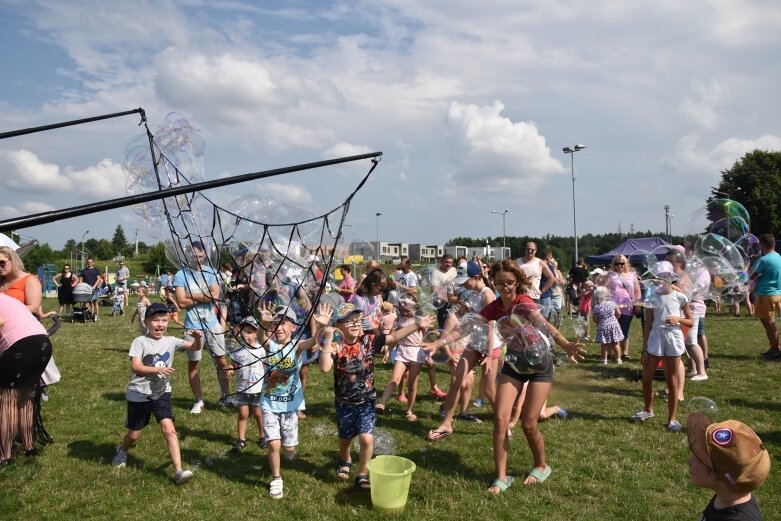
(705, 406)
(441, 355)
(475, 328)
(474, 301)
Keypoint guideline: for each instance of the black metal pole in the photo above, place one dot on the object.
(15, 133)
(77, 211)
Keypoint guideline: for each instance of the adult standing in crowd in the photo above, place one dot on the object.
(406, 280)
(24, 352)
(625, 288)
(90, 275)
(546, 295)
(17, 283)
(122, 276)
(534, 268)
(442, 281)
(346, 288)
(65, 280)
(196, 288)
(766, 273)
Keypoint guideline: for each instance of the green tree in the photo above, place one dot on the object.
(39, 255)
(156, 257)
(119, 241)
(755, 182)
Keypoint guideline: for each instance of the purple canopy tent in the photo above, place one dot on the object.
(631, 249)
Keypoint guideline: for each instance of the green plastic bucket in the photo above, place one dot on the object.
(390, 477)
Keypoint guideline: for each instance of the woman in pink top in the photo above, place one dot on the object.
(24, 352)
(625, 288)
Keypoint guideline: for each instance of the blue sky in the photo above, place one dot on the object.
(470, 103)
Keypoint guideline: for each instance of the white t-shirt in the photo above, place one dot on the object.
(669, 305)
(440, 279)
(533, 272)
(153, 353)
(408, 279)
(249, 376)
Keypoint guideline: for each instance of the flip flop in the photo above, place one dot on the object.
(502, 485)
(539, 476)
(437, 435)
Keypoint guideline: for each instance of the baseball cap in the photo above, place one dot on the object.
(467, 270)
(285, 312)
(731, 449)
(155, 308)
(345, 310)
(597, 271)
(249, 321)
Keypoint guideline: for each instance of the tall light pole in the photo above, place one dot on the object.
(504, 232)
(379, 253)
(571, 152)
(81, 248)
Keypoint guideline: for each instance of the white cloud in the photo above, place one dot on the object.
(27, 172)
(36, 207)
(493, 154)
(291, 194)
(690, 156)
(345, 150)
(701, 104)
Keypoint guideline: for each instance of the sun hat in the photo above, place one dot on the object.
(731, 449)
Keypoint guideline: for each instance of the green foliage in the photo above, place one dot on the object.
(119, 242)
(604, 467)
(39, 255)
(755, 182)
(155, 256)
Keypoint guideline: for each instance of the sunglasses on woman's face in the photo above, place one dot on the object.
(618, 264)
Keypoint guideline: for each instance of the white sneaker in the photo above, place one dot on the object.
(197, 407)
(641, 416)
(699, 378)
(275, 488)
(183, 476)
(619, 361)
(120, 458)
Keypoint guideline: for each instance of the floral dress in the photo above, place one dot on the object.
(608, 329)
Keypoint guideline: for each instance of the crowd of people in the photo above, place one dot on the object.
(268, 340)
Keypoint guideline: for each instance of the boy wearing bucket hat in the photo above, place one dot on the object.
(730, 459)
(663, 340)
(352, 358)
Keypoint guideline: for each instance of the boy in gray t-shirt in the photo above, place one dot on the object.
(149, 390)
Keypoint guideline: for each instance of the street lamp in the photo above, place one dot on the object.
(504, 233)
(81, 248)
(571, 152)
(379, 254)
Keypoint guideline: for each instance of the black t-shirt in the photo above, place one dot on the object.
(748, 511)
(579, 275)
(90, 275)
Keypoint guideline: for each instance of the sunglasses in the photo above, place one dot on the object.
(618, 264)
(506, 283)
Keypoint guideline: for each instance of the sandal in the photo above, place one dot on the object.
(343, 469)
(501, 485)
(380, 408)
(539, 476)
(411, 416)
(437, 435)
(239, 446)
(362, 482)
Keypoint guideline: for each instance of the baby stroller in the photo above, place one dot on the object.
(118, 302)
(82, 297)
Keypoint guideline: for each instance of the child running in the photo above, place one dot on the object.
(141, 307)
(353, 363)
(248, 366)
(605, 314)
(282, 394)
(663, 340)
(409, 356)
(149, 390)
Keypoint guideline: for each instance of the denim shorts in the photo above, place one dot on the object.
(354, 419)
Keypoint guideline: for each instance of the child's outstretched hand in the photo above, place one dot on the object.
(197, 334)
(575, 351)
(323, 314)
(423, 322)
(266, 312)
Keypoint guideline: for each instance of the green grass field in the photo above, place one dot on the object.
(603, 466)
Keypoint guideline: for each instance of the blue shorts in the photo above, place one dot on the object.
(139, 413)
(354, 419)
(701, 327)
